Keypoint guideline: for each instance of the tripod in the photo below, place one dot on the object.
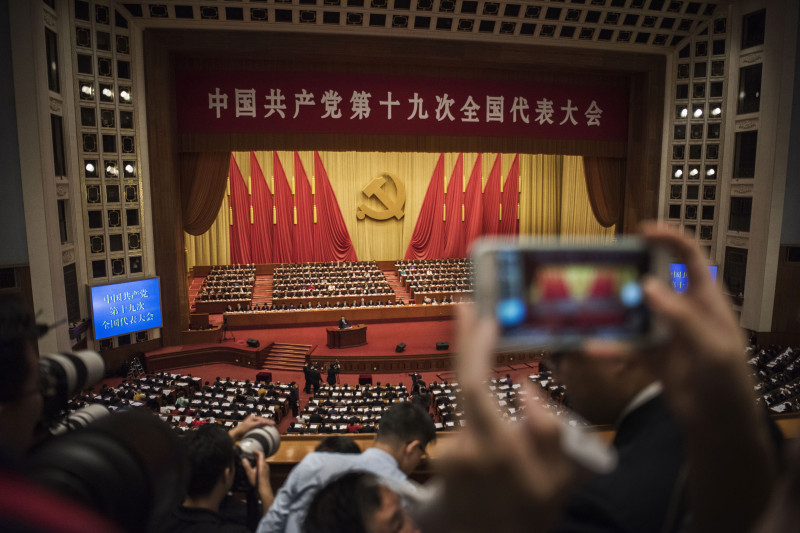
(226, 331)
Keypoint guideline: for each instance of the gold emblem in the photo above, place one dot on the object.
(393, 205)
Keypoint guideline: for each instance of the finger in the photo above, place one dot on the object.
(678, 311)
(248, 469)
(608, 349)
(686, 251)
(476, 340)
(541, 426)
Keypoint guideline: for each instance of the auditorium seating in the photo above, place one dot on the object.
(330, 280)
(184, 402)
(347, 409)
(777, 371)
(449, 413)
(228, 283)
(437, 280)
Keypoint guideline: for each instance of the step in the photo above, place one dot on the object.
(290, 345)
(279, 366)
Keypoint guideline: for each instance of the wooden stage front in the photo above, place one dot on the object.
(331, 316)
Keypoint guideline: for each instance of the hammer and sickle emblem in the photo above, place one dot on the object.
(394, 206)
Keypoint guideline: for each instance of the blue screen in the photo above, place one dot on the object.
(126, 307)
(680, 278)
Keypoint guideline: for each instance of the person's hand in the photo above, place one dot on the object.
(702, 364)
(708, 388)
(258, 477)
(250, 422)
(501, 474)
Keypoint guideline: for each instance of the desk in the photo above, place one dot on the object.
(347, 338)
(219, 306)
(333, 300)
(330, 316)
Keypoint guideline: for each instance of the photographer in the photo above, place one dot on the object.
(212, 467)
(26, 506)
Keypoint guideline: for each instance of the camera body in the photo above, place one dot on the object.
(556, 295)
(265, 439)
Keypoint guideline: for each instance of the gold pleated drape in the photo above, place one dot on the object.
(553, 197)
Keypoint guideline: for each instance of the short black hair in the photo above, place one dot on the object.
(405, 422)
(344, 504)
(210, 451)
(338, 444)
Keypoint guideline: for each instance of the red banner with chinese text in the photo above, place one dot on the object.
(260, 102)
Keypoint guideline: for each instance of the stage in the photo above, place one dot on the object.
(378, 355)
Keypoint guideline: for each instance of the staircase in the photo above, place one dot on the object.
(284, 356)
(262, 290)
(400, 290)
(194, 289)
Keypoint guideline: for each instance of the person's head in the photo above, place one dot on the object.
(211, 461)
(404, 431)
(599, 388)
(20, 396)
(357, 502)
(338, 444)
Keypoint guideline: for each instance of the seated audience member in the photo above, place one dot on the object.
(357, 502)
(404, 432)
(504, 474)
(211, 457)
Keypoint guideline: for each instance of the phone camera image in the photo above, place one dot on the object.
(559, 295)
(511, 312)
(631, 294)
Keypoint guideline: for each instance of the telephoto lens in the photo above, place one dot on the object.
(128, 466)
(81, 418)
(64, 375)
(265, 439)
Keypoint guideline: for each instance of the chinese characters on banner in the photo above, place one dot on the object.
(128, 308)
(327, 103)
(125, 307)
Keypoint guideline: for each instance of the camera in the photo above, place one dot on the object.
(127, 466)
(265, 439)
(80, 418)
(65, 374)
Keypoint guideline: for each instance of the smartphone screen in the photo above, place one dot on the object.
(561, 296)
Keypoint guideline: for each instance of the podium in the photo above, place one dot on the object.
(347, 338)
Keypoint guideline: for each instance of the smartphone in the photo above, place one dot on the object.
(556, 295)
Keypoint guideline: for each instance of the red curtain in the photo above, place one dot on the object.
(509, 224)
(473, 204)
(304, 206)
(240, 205)
(605, 180)
(261, 237)
(331, 238)
(283, 215)
(204, 178)
(491, 200)
(427, 239)
(454, 200)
